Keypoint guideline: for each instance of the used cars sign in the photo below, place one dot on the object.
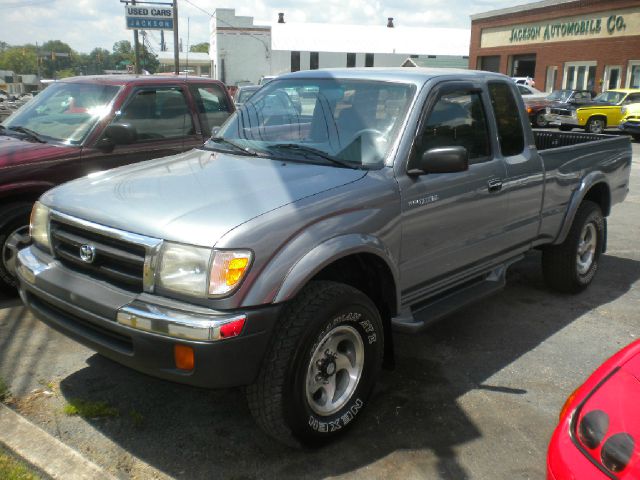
(149, 18)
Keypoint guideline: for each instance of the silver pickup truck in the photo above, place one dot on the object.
(333, 210)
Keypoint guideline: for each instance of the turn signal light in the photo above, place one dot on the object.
(568, 403)
(236, 269)
(184, 357)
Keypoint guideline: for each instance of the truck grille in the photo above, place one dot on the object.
(116, 261)
(561, 111)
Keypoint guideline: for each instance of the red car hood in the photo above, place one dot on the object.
(14, 151)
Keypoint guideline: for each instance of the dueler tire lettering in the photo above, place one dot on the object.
(301, 357)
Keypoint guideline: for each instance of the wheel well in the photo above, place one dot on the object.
(371, 275)
(30, 197)
(599, 193)
(601, 117)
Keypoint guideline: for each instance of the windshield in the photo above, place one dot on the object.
(610, 97)
(64, 112)
(559, 95)
(345, 122)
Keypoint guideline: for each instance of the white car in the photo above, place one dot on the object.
(530, 93)
(528, 81)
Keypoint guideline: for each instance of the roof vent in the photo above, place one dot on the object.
(281, 18)
(390, 22)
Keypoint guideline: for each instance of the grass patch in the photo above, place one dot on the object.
(13, 469)
(88, 409)
(136, 418)
(4, 391)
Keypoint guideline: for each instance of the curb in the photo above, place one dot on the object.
(44, 451)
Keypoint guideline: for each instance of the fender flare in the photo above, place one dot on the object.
(586, 184)
(328, 252)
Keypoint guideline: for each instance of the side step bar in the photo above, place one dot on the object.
(418, 318)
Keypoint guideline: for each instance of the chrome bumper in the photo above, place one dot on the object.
(187, 322)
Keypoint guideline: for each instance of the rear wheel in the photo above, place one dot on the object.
(14, 234)
(595, 125)
(321, 365)
(571, 266)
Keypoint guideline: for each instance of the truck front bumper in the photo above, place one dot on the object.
(141, 331)
(556, 119)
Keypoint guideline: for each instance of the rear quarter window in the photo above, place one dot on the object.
(507, 115)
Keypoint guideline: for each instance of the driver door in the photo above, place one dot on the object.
(451, 220)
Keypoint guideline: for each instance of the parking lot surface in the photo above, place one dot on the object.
(475, 397)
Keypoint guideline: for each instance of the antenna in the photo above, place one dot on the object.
(186, 68)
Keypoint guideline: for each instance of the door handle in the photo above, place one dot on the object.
(494, 185)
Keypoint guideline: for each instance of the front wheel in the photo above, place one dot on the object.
(321, 366)
(14, 234)
(595, 125)
(571, 266)
(541, 120)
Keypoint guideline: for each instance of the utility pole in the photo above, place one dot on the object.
(176, 53)
(136, 48)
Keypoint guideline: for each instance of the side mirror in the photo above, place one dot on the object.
(214, 132)
(442, 160)
(121, 133)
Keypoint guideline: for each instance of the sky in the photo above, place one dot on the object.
(86, 24)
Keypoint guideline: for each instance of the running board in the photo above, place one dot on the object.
(418, 318)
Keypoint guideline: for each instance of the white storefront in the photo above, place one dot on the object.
(242, 52)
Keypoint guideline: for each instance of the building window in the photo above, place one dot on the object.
(368, 60)
(314, 61)
(295, 61)
(611, 77)
(351, 60)
(633, 74)
(489, 64)
(579, 75)
(552, 76)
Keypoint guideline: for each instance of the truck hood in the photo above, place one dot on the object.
(14, 151)
(195, 197)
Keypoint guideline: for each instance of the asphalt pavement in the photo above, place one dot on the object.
(476, 397)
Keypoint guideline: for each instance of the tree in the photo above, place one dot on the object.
(99, 60)
(21, 60)
(4, 46)
(200, 48)
(124, 55)
(56, 56)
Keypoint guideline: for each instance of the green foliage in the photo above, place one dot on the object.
(200, 48)
(12, 469)
(21, 60)
(4, 391)
(89, 409)
(56, 59)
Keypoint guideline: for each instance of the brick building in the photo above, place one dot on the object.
(592, 44)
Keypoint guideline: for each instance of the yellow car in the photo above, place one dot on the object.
(631, 120)
(604, 112)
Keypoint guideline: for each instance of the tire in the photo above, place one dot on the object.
(595, 125)
(571, 266)
(14, 218)
(328, 335)
(540, 119)
(565, 128)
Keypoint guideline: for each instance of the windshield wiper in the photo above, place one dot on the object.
(315, 151)
(28, 132)
(235, 145)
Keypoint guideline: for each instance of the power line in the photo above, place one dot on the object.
(24, 3)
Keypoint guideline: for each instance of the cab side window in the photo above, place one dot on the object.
(158, 113)
(456, 119)
(507, 115)
(212, 104)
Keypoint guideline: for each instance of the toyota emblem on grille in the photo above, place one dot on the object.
(87, 253)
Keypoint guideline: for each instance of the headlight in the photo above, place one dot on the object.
(574, 113)
(39, 226)
(184, 269)
(547, 110)
(227, 270)
(623, 110)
